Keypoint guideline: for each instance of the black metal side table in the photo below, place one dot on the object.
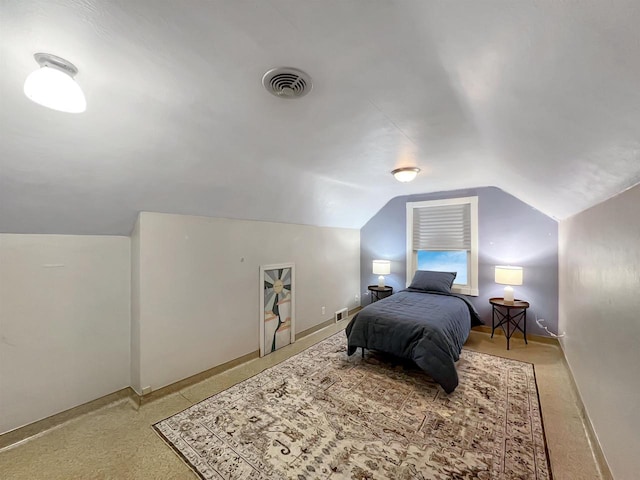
(502, 313)
(378, 293)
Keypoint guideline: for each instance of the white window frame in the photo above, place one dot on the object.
(412, 255)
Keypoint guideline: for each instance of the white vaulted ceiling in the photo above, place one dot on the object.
(541, 99)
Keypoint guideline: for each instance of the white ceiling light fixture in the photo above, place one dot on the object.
(53, 86)
(287, 82)
(405, 174)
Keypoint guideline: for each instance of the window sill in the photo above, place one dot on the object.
(474, 292)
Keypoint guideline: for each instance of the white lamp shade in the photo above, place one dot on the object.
(508, 275)
(405, 174)
(381, 267)
(55, 89)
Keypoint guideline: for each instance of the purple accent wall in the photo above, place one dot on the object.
(510, 232)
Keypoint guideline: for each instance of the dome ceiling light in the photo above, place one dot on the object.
(405, 174)
(53, 86)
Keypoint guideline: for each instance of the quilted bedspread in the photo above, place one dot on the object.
(425, 327)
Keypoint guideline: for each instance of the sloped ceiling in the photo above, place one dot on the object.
(541, 99)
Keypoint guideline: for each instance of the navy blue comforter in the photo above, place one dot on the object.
(426, 327)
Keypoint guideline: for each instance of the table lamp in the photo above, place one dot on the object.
(508, 275)
(382, 268)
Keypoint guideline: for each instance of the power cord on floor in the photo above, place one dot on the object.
(539, 322)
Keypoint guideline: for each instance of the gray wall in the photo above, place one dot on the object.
(599, 305)
(510, 232)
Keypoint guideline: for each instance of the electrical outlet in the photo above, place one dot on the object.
(357, 298)
(323, 310)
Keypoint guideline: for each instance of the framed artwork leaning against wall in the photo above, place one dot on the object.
(277, 306)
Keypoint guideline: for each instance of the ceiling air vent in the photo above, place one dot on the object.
(286, 82)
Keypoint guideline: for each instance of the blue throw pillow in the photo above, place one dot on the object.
(433, 281)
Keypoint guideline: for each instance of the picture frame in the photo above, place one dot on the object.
(277, 306)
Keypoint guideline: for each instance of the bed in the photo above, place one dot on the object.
(427, 325)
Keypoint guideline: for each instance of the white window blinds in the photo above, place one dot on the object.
(446, 227)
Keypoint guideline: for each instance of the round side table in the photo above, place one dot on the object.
(378, 293)
(501, 311)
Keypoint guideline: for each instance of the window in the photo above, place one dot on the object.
(446, 261)
(442, 235)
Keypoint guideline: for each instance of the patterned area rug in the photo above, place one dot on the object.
(323, 415)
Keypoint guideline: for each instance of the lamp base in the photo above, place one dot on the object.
(381, 281)
(508, 294)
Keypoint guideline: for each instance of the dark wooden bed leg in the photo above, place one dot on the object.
(362, 351)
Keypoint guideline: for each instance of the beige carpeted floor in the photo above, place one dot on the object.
(117, 442)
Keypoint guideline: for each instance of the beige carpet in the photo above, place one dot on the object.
(323, 415)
